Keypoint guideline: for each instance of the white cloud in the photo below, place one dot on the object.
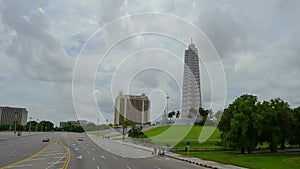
(258, 43)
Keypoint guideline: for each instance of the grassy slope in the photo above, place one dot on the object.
(191, 136)
(270, 161)
(100, 133)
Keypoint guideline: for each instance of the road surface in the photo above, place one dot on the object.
(65, 151)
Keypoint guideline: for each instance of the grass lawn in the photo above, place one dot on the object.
(255, 161)
(156, 131)
(173, 135)
(99, 133)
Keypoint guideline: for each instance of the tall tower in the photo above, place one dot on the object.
(191, 89)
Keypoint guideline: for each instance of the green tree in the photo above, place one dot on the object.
(237, 125)
(171, 114)
(276, 119)
(204, 114)
(294, 136)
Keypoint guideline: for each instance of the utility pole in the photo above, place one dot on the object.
(167, 107)
(30, 125)
(16, 122)
(36, 125)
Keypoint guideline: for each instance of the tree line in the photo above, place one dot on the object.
(247, 123)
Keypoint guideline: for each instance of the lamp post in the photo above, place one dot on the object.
(15, 122)
(36, 126)
(167, 97)
(30, 125)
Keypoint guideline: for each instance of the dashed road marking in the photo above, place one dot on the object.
(51, 154)
(102, 157)
(156, 167)
(88, 152)
(93, 158)
(17, 166)
(34, 159)
(128, 167)
(98, 167)
(115, 157)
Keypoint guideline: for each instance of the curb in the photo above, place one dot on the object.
(177, 158)
(189, 161)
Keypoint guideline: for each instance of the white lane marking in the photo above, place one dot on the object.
(93, 149)
(17, 166)
(12, 152)
(56, 161)
(128, 167)
(55, 151)
(115, 157)
(79, 157)
(74, 144)
(98, 167)
(51, 154)
(88, 152)
(102, 157)
(76, 149)
(156, 167)
(93, 158)
(36, 159)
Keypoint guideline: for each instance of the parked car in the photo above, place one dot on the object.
(45, 139)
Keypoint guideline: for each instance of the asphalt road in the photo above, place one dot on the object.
(65, 151)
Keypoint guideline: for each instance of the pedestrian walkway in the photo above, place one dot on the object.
(197, 161)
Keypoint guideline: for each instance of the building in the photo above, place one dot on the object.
(135, 108)
(69, 123)
(10, 115)
(191, 89)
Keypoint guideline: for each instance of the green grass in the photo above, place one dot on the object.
(173, 135)
(255, 161)
(156, 131)
(99, 133)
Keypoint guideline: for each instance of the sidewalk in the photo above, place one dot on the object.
(196, 161)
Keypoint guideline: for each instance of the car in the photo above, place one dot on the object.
(80, 138)
(45, 139)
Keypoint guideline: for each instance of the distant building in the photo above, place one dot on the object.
(10, 115)
(135, 108)
(83, 122)
(69, 123)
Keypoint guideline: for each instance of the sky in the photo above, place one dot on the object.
(67, 60)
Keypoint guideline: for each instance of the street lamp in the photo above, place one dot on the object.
(15, 122)
(167, 107)
(36, 124)
(30, 125)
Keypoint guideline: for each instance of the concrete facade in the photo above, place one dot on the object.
(8, 115)
(135, 108)
(191, 89)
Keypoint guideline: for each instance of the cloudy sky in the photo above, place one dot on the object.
(66, 60)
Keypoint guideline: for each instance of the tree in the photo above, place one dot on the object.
(177, 114)
(46, 125)
(294, 137)
(171, 114)
(136, 132)
(237, 124)
(204, 114)
(276, 121)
